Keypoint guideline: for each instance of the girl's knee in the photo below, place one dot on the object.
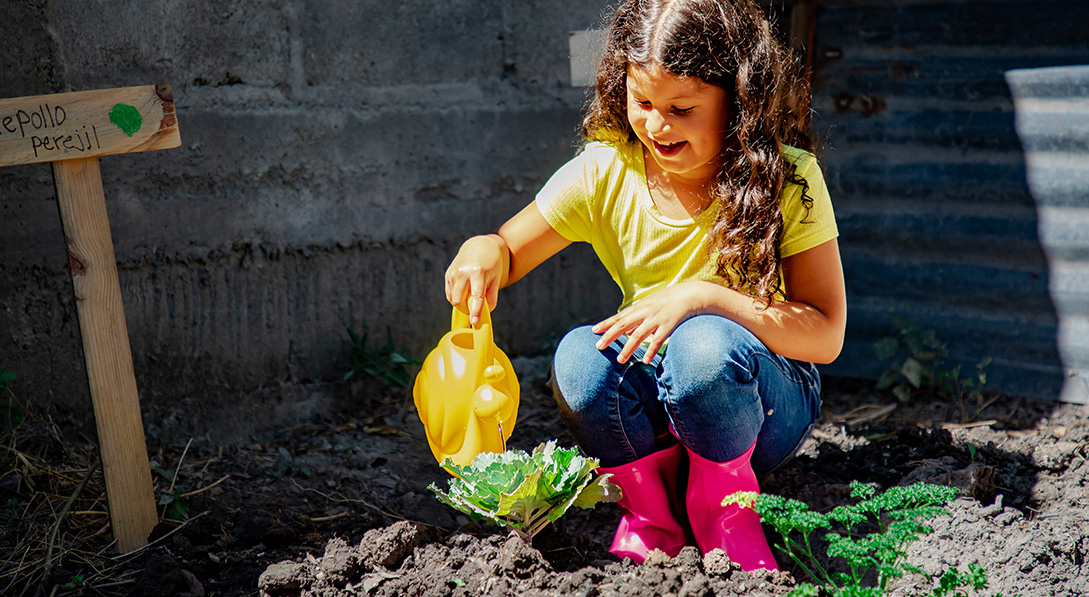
(714, 346)
(579, 368)
(577, 347)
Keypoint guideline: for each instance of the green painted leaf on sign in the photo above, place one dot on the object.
(127, 118)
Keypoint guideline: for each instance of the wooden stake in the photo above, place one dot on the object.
(107, 352)
(71, 130)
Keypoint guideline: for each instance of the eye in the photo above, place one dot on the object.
(682, 111)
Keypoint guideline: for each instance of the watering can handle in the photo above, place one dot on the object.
(482, 331)
(460, 320)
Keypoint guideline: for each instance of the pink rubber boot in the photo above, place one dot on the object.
(733, 529)
(650, 504)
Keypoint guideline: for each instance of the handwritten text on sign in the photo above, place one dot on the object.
(63, 126)
(40, 125)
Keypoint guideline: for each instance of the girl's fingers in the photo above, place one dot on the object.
(626, 352)
(635, 339)
(477, 286)
(456, 291)
(602, 326)
(652, 348)
(476, 308)
(448, 280)
(608, 334)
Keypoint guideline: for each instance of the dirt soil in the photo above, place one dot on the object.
(342, 508)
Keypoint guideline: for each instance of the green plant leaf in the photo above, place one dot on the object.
(601, 489)
(803, 590)
(386, 363)
(178, 509)
(913, 371)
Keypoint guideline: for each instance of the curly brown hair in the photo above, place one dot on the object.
(728, 43)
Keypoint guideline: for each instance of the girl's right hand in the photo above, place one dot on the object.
(476, 274)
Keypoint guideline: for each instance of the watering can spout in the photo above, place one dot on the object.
(467, 393)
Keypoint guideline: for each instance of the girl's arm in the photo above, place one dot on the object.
(484, 264)
(808, 326)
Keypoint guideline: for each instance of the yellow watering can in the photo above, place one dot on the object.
(467, 392)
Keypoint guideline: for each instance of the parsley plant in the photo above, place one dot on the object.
(897, 514)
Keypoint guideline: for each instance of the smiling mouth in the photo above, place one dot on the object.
(669, 148)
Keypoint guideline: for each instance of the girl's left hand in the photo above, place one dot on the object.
(654, 316)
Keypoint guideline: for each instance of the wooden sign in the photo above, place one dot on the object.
(83, 124)
(71, 130)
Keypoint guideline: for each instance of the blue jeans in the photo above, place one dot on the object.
(719, 386)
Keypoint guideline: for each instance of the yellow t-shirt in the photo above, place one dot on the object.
(601, 197)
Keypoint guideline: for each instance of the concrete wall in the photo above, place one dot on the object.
(334, 155)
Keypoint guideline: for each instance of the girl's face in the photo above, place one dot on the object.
(680, 120)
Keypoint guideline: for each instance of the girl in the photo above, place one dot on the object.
(697, 192)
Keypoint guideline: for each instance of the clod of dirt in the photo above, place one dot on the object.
(340, 564)
(520, 560)
(716, 563)
(285, 578)
(1055, 456)
(387, 547)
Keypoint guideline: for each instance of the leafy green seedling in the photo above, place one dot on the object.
(175, 504)
(285, 463)
(74, 583)
(524, 492)
(897, 514)
(912, 353)
(950, 383)
(385, 363)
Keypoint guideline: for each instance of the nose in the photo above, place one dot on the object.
(657, 122)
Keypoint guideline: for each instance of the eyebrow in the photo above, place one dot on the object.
(682, 97)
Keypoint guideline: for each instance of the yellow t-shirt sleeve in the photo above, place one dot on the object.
(804, 229)
(564, 201)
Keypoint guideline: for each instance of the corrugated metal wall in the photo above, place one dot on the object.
(957, 152)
